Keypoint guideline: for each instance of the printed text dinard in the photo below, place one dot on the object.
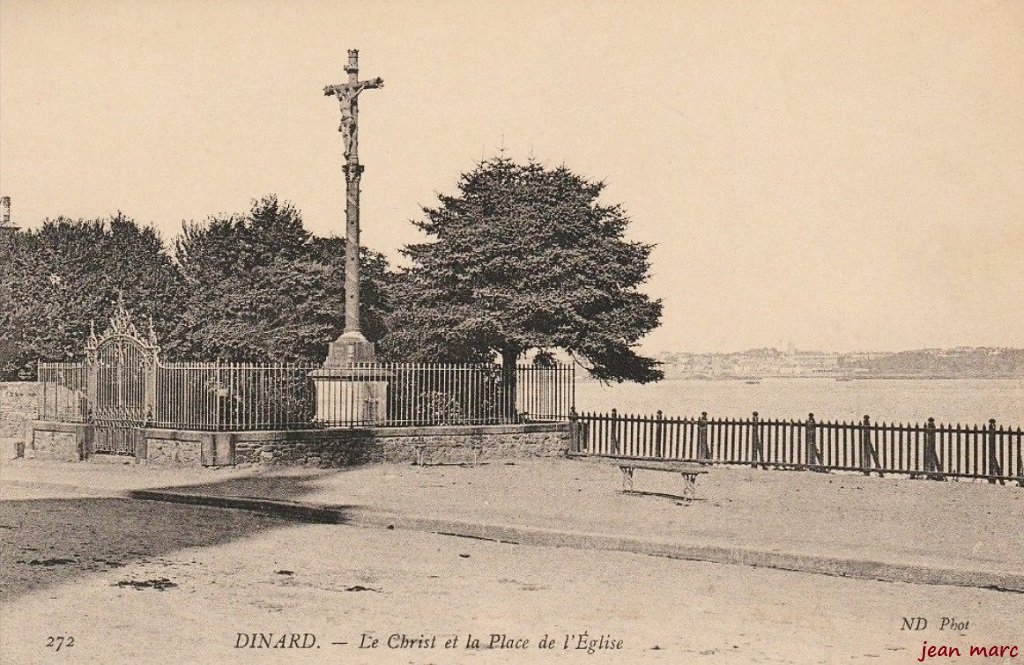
(582, 642)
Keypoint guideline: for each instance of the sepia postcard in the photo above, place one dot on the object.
(336, 331)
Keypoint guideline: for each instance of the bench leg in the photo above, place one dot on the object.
(627, 478)
(689, 485)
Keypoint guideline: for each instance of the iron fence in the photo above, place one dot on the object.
(237, 397)
(545, 393)
(233, 396)
(991, 452)
(63, 392)
(419, 394)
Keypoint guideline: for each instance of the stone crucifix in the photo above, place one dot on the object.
(348, 98)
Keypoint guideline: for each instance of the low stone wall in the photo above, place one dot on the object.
(326, 448)
(18, 402)
(65, 442)
(319, 448)
(431, 445)
(169, 451)
(461, 444)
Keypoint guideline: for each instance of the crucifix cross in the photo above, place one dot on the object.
(347, 94)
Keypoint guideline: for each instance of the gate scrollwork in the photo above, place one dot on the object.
(121, 365)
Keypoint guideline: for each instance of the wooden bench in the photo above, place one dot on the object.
(627, 465)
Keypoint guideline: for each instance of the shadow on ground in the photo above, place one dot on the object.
(680, 499)
(49, 538)
(288, 486)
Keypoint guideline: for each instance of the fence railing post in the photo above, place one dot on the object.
(868, 453)
(1020, 457)
(757, 452)
(994, 467)
(865, 463)
(932, 464)
(575, 445)
(41, 394)
(659, 433)
(615, 432)
(703, 452)
(814, 456)
(572, 386)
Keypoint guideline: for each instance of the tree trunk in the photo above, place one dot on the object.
(508, 384)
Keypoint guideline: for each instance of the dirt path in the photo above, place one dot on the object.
(152, 582)
(968, 525)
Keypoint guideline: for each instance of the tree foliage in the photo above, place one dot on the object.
(524, 257)
(261, 288)
(252, 287)
(56, 279)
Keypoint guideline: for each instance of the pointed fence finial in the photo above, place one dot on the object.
(152, 332)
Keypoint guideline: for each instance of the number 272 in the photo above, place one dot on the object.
(59, 642)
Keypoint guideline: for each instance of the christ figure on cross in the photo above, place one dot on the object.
(347, 94)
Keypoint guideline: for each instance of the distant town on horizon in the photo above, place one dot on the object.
(958, 362)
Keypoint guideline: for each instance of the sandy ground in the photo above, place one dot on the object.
(235, 572)
(965, 525)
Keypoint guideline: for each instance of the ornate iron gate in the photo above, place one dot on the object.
(121, 367)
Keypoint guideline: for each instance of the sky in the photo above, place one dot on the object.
(828, 175)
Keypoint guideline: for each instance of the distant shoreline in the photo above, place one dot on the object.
(838, 378)
(960, 362)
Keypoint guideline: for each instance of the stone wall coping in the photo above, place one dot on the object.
(438, 430)
(180, 434)
(330, 433)
(346, 432)
(465, 430)
(53, 426)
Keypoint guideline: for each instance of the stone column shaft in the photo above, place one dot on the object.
(353, 173)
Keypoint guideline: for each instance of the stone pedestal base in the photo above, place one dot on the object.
(349, 349)
(351, 389)
(343, 400)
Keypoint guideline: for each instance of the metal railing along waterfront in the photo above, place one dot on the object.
(236, 397)
(992, 452)
(419, 394)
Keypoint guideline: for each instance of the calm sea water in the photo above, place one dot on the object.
(902, 400)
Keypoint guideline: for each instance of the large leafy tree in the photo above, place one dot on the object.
(261, 288)
(525, 258)
(57, 279)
